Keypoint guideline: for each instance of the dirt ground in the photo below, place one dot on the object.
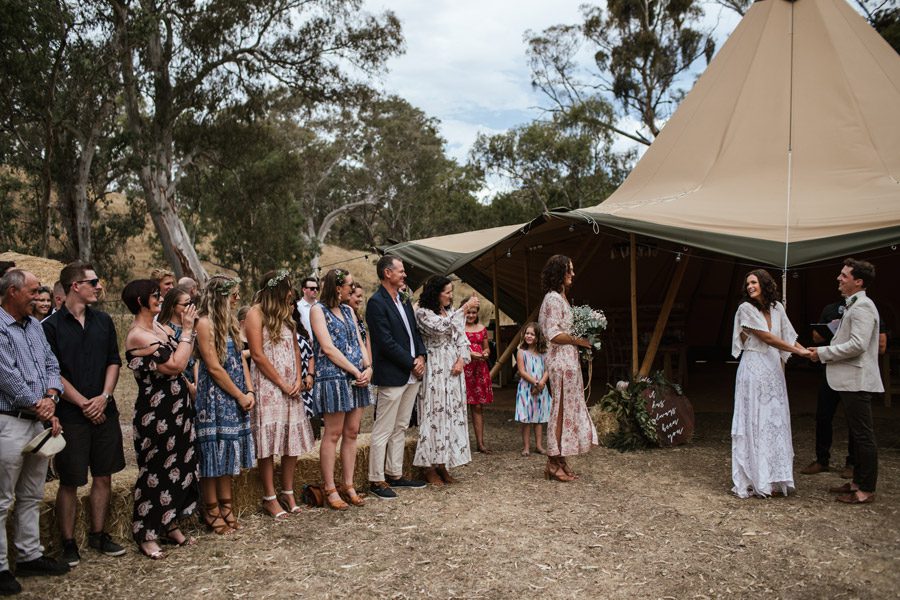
(655, 524)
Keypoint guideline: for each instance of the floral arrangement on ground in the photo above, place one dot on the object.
(627, 401)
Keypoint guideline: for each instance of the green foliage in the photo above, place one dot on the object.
(637, 430)
(641, 49)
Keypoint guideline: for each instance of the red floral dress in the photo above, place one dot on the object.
(478, 375)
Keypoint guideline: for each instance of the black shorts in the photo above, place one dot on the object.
(87, 445)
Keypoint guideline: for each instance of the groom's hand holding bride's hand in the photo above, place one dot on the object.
(813, 354)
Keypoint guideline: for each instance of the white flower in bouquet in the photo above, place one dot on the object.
(588, 323)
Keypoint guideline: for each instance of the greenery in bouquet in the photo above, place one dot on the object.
(588, 323)
(626, 401)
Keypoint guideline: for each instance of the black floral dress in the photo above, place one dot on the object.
(167, 482)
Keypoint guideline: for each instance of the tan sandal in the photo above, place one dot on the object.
(351, 498)
(445, 475)
(334, 504)
(215, 522)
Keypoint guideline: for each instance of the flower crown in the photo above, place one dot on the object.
(228, 285)
(340, 275)
(279, 277)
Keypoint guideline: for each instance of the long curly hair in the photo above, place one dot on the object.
(275, 303)
(767, 287)
(553, 276)
(215, 304)
(431, 293)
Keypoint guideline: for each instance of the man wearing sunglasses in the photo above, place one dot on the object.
(309, 299)
(85, 344)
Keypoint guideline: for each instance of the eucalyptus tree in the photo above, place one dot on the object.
(636, 53)
(183, 61)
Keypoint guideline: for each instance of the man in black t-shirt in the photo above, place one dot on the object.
(85, 344)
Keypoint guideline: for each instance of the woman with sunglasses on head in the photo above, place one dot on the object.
(341, 388)
(224, 400)
(174, 304)
(166, 486)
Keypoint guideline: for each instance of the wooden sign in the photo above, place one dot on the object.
(672, 413)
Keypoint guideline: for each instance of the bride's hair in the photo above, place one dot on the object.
(767, 287)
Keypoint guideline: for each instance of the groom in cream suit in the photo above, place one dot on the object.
(851, 366)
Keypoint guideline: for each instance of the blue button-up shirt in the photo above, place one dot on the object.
(28, 367)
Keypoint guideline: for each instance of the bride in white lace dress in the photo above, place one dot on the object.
(762, 454)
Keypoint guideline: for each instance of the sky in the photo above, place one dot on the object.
(465, 61)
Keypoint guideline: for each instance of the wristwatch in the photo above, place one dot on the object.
(53, 396)
(108, 397)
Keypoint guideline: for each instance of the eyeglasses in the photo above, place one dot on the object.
(312, 288)
(94, 282)
(188, 303)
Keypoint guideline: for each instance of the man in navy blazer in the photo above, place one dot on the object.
(398, 359)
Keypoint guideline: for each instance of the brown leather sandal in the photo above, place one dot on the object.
(226, 509)
(431, 476)
(445, 475)
(334, 504)
(215, 522)
(352, 498)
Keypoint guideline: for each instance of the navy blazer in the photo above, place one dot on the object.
(392, 362)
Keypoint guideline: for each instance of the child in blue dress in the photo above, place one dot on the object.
(532, 395)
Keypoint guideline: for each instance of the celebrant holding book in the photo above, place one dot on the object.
(570, 431)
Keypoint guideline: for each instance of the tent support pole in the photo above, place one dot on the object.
(527, 284)
(496, 300)
(634, 320)
(663, 318)
(513, 343)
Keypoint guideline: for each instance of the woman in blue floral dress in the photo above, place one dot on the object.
(224, 400)
(341, 389)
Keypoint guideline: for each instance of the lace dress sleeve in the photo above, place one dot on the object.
(746, 317)
(786, 332)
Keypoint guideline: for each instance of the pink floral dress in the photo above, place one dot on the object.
(279, 422)
(578, 433)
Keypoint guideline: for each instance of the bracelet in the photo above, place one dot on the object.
(250, 392)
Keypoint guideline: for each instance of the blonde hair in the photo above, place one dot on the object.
(159, 274)
(540, 344)
(215, 305)
(274, 303)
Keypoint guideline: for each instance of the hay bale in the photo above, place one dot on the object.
(45, 269)
(605, 422)
(247, 493)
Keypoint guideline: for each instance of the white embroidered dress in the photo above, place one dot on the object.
(762, 454)
(443, 424)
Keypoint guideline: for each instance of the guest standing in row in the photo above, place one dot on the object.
(343, 372)
(443, 423)
(762, 454)
(399, 360)
(172, 315)
(280, 425)
(166, 486)
(224, 401)
(43, 304)
(479, 390)
(532, 394)
(570, 431)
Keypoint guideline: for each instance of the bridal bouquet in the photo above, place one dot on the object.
(588, 323)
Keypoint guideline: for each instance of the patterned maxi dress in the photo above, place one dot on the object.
(443, 424)
(166, 488)
(762, 453)
(333, 390)
(279, 422)
(478, 375)
(578, 433)
(531, 408)
(224, 439)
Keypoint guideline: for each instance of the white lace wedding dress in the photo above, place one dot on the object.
(762, 454)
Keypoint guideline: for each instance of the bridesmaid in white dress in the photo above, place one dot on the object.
(762, 454)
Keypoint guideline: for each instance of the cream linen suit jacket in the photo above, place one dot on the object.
(851, 361)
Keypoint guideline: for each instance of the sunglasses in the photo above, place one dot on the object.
(94, 282)
(156, 295)
(188, 303)
(315, 289)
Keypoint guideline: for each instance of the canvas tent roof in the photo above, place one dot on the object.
(785, 152)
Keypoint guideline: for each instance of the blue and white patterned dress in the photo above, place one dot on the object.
(531, 408)
(224, 438)
(334, 390)
(306, 352)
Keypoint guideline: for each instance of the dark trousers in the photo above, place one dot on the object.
(858, 406)
(826, 406)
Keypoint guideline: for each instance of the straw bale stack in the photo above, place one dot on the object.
(247, 492)
(605, 422)
(45, 269)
